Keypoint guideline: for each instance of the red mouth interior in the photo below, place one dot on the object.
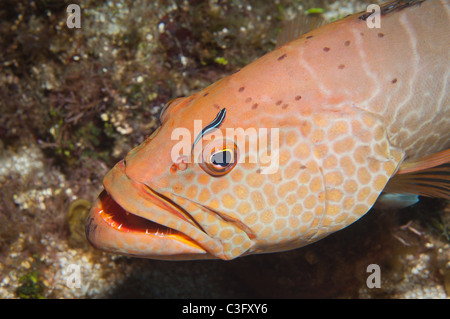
(121, 220)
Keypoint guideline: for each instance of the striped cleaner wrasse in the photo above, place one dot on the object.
(339, 116)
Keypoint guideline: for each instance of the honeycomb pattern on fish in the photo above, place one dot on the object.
(319, 188)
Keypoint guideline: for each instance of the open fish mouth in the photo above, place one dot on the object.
(143, 224)
(119, 219)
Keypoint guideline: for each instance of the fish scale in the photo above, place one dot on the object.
(350, 105)
(330, 200)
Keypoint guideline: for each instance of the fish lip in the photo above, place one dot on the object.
(103, 232)
(119, 218)
(134, 205)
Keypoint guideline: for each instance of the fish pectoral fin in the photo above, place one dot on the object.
(423, 163)
(397, 201)
(428, 176)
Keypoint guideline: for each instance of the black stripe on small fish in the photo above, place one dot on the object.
(214, 124)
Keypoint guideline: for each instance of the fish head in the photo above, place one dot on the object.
(177, 196)
(156, 201)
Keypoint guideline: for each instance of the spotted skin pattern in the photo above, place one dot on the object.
(345, 101)
(336, 179)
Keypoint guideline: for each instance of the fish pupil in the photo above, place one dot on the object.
(222, 158)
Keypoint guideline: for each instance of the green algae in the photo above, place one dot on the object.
(31, 287)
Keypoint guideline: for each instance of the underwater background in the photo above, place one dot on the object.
(74, 101)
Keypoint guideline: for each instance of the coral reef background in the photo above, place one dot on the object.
(74, 101)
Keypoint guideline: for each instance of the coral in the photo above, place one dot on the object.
(76, 219)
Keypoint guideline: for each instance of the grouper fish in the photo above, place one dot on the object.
(293, 147)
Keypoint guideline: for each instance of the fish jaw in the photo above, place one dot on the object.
(113, 229)
(141, 226)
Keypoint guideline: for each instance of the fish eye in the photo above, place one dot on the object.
(219, 160)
